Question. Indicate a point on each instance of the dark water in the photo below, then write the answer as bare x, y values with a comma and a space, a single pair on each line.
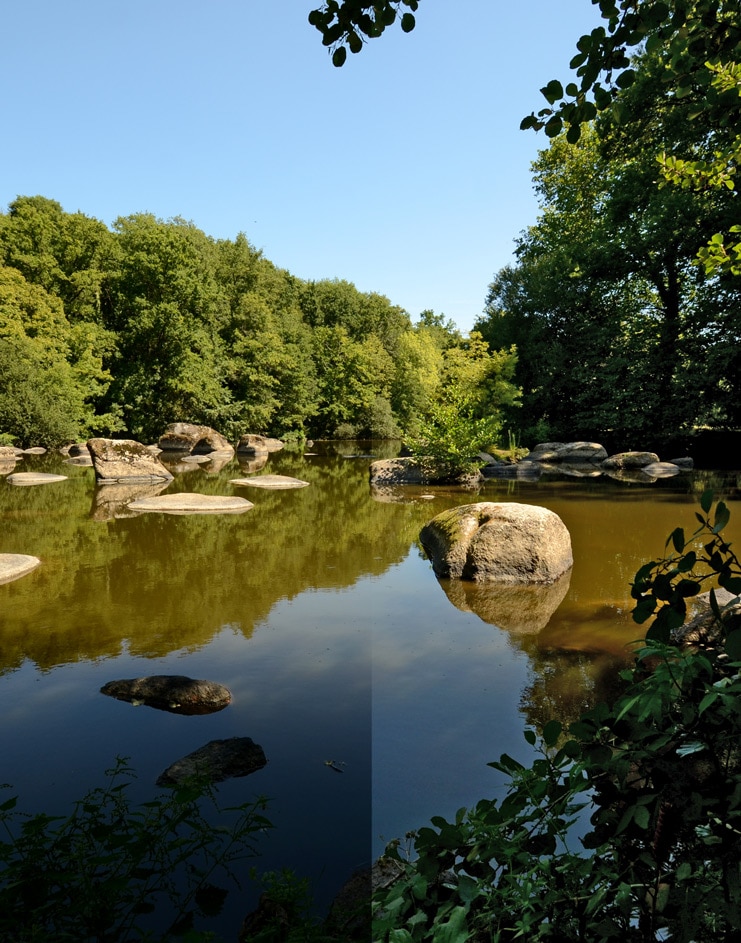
319, 611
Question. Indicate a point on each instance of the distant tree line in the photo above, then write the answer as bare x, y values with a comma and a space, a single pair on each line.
123, 330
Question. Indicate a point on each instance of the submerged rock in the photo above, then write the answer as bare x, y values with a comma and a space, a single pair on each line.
33, 478
175, 693
189, 503
15, 565
217, 761
271, 482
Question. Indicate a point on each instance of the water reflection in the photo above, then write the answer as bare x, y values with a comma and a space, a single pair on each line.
518, 609
297, 607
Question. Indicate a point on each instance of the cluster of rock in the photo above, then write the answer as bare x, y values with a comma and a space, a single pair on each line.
586, 459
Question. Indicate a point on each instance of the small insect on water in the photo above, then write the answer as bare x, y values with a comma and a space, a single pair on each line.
335, 765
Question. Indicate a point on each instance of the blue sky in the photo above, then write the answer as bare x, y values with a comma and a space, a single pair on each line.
404, 172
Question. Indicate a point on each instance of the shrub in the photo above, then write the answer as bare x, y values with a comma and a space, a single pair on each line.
110, 872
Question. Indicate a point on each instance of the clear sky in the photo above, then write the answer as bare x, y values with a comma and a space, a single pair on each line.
404, 172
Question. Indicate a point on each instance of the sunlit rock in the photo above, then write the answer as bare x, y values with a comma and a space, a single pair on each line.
250, 444
217, 761
189, 503
522, 609
630, 460
15, 565
35, 450
270, 482
34, 478
506, 543
125, 460
83, 461
189, 437
174, 693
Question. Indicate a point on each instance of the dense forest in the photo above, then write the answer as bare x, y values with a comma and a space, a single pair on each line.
619, 318
123, 330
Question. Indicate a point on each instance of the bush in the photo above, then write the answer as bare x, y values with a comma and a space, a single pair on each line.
111, 873
626, 827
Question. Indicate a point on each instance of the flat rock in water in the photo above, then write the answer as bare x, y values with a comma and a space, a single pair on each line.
15, 565
36, 450
272, 482
189, 503
125, 460
34, 478
174, 693
217, 761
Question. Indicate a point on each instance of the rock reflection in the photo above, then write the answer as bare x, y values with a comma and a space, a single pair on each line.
518, 609
110, 501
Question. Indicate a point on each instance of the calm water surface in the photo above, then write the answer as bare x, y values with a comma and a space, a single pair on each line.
319, 611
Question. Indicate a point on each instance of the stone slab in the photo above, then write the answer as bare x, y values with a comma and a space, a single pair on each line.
15, 565
190, 503
271, 482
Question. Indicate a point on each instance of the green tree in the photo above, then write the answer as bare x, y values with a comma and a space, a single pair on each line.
166, 308
52, 372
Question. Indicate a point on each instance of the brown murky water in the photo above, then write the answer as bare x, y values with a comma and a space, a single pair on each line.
319, 611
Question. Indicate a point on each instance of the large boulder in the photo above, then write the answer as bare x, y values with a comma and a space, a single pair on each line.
217, 761
574, 452
507, 543
175, 693
125, 460
189, 437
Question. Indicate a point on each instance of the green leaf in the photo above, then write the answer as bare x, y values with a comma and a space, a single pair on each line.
706, 501
339, 56
553, 126
677, 538
553, 91
733, 645
408, 22
530, 736
551, 732
722, 516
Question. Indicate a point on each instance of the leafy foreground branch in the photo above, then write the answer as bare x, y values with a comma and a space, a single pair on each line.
110, 873
625, 827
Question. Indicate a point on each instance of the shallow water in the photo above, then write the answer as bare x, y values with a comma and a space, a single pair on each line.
319, 611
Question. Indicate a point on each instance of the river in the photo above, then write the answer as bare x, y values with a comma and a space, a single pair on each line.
319, 611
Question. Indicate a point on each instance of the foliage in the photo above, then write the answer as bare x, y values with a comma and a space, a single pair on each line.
698, 44
451, 436
347, 24
113, 872
467, 412
625, 827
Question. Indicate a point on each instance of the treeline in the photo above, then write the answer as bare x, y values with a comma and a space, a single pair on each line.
619, 326
120, 331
